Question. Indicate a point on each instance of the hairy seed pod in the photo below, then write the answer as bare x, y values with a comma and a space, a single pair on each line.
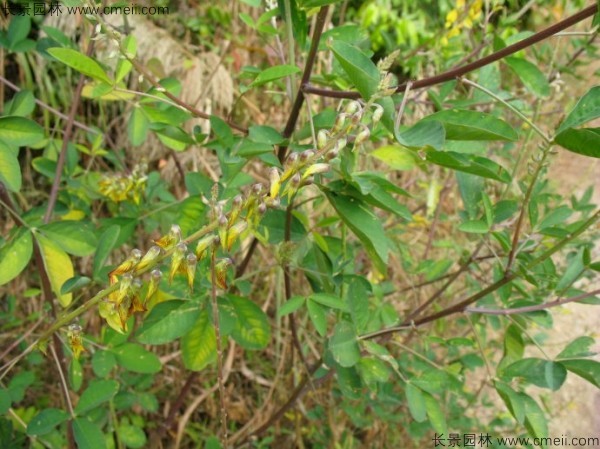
169, 240
190, 269
128, 264
177, 259
322, 138
203, 245
124, 288
234, 232
352, 107
221, 272
377, 114
155, 277
340, 120
275, 181
362, 136
149, 259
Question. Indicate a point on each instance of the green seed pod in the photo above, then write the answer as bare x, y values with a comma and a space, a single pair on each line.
377, 114
352, 107
322, 138
340, 120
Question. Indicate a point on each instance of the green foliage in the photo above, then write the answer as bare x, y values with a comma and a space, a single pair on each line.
376, 255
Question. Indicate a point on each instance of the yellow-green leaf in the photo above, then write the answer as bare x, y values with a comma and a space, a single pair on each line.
58, 265
199, 346
80, 62
14, 257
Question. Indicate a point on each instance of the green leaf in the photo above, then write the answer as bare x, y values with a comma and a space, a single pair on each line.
58, 266
103, 362
74, 284
199, 345
106, 243
555, 217
358, 66
580, 347
327, 300
432, 381
357, 298
137, 127
396, 157
174, 137
290, 306
586, 109
252, 330
467, 163
588, 369
80, 62
535, 420
343, 345
373, 371
540, 372
436, 415
416, 402
15, 255
88, 435
529, 74
134, 357
124, 66
98, 392
474, 227
75, 374
307, 4
364, 224
46, 421
22, 104
20, 131
265, 134
74, 237
10, 170
316, 313
131, 436
470, 125
513, 400
168, 321
273, 73
424, 133
585, 141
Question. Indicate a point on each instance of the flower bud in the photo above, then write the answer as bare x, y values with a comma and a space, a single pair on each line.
262, 208
128, 264
378, 113
306, 155
223, 224
172, 238
221, 272
352, 107
322, 137
234, 232
257, 188
124, 288
315, 169
339, 123
362, 136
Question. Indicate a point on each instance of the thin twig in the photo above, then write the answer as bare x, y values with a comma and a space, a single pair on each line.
215, 307
535, 308
460, 71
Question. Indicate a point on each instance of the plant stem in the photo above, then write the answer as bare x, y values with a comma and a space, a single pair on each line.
215, 310
460, 71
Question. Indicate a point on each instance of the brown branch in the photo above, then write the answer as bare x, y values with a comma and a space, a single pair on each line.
535, 308
310, 61
65, 140
461, 71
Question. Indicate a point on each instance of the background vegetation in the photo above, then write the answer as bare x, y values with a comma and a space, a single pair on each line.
304, 223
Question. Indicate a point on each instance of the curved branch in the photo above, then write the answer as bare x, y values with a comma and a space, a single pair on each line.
460, 71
